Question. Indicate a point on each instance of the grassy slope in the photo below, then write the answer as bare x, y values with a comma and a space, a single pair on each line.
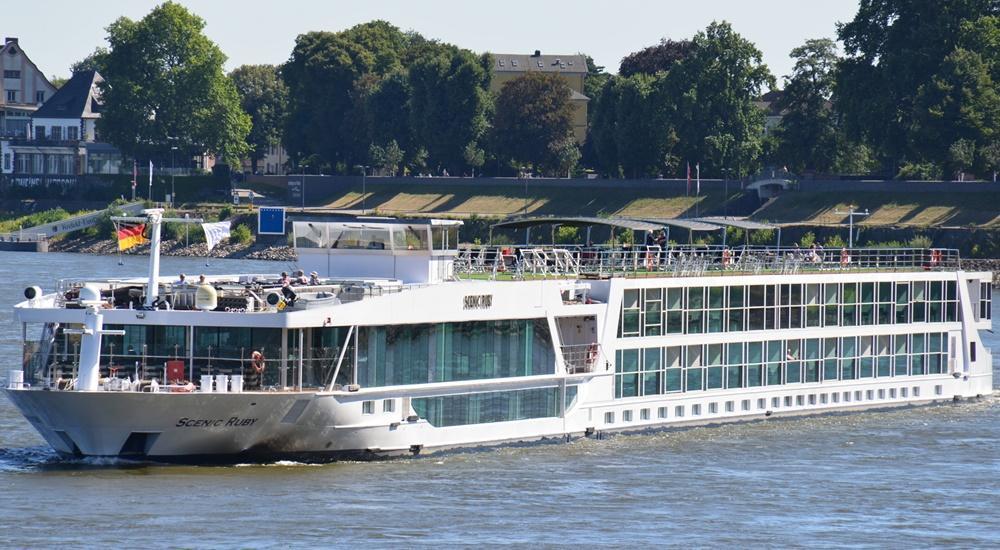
914, 210
503, 201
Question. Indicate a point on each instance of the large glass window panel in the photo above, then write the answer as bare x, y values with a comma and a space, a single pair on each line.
830, 369
673, 379
715, 323
716, 294
734, 376
755, 375
813, 316
848, 369
672, 357
812, 371
850, 293
736, 297
490, 407
867, 293
713, 378
675, 298
884, 365
694, 379
793, 372
696, 298
736, 320
755, 318
651, 383
773, 374
756, 295
696, 322
867, 367
628, 360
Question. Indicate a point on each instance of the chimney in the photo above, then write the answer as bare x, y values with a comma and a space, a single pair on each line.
10, 40
538, 53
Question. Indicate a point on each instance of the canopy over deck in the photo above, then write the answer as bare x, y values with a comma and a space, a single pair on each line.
744, 224
619, 223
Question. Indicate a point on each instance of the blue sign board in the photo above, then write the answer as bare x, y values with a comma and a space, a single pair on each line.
271, 220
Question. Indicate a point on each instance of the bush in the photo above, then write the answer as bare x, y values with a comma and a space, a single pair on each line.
808, 240
225, 212
834, 242
921, 241
241, 234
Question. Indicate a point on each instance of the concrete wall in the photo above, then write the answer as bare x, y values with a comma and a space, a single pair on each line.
893, 186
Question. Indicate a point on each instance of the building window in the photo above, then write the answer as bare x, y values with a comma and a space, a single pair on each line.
823, 398
800, 400
695, 410
881, 394
627, 416
12, 96
745, 405
713, 408
12, 74
892, 393
6, 161
775, 402
40, 97
788, 400
916, 391
661, 412
644, 414
730, 406
609, 417
39, 132
389, 405
55, 133
903, 392
368, 407
72, 133
679, 411
938, 389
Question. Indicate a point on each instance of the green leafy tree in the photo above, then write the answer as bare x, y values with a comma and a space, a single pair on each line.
450, 104
658, 58
602, 127
163, 80
474, 157
893, 49
344, 92
807, 134
596, 77
533, 118
95, 61
961, 154
991, 157
264, 97
715, 88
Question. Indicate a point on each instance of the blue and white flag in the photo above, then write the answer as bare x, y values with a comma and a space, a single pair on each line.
215, 232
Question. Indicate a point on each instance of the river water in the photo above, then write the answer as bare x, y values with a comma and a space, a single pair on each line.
918, 477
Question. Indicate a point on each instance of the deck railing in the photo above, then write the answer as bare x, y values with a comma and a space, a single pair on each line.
684, 261
581, 358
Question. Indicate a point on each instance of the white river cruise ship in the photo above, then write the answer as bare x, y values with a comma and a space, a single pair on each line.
405, 343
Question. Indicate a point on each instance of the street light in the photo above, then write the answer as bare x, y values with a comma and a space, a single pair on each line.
173, 173
850, 221
364, 187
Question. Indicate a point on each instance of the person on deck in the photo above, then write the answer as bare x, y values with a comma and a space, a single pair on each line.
286, 288
300, 278
254, 376
314, 279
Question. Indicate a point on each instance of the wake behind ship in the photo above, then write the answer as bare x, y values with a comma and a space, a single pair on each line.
403, 343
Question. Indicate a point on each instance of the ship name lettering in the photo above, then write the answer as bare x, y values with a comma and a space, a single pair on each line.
233, 421
479, 301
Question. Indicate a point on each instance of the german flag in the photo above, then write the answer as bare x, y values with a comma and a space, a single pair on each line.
131, 235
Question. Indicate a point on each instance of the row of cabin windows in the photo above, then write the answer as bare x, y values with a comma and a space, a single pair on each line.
762, 404
658, 370
698, 310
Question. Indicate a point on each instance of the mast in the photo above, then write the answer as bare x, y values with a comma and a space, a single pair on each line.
154, 219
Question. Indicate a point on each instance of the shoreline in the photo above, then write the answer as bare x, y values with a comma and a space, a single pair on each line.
228, 250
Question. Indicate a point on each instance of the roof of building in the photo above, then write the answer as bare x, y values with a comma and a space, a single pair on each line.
11, 43
577, 96
78, 98
516, 63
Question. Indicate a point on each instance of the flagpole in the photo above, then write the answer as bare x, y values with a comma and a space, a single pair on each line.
150, 196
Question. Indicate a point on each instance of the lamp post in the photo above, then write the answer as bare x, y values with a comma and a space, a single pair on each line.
850, 222
364, 187
173, 172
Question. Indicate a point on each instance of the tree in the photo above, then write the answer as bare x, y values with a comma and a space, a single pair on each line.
264, 97
807, 134
164, 85
654, 59
332, 80
474, 157
893, 49
449, 103
533, 118
715, 88
58, 81
602, 128
991, 157
95, 61
643, 130
596, 77
960, 105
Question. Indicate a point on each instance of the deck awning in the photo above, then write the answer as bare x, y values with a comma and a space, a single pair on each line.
739, 223
618, 223
686, 223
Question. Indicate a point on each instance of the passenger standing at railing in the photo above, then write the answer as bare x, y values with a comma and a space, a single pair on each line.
255, 373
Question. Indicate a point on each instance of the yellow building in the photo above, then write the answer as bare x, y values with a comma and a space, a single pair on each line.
571, 68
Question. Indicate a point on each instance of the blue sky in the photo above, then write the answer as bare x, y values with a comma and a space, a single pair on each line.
55, 33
